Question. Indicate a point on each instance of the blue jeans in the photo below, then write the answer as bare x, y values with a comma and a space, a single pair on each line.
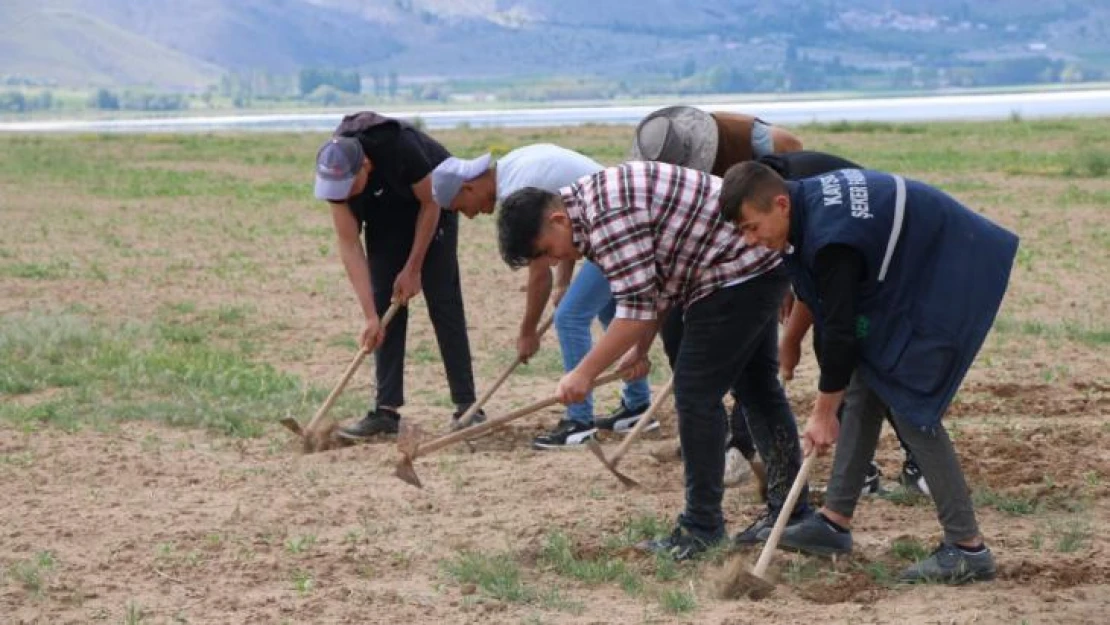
589, 297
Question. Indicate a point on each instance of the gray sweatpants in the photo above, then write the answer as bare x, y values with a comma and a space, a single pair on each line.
864, 413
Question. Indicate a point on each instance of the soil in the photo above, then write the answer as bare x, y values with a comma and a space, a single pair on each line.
154, 524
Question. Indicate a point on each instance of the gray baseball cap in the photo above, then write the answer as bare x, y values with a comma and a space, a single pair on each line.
337, 164
450, 175
679, 135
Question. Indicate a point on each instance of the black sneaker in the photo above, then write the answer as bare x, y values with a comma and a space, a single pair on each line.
568, 434
380, 421
950, 564
760, 529
680, 545
912, 478
872, 484
815, 536
475, 419
623, 419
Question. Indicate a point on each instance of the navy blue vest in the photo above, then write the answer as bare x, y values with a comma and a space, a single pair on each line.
935, 276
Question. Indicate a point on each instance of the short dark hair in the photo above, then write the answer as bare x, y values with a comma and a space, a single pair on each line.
750, 181
519, 224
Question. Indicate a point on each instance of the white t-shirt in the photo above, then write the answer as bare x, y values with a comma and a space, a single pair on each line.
542, 165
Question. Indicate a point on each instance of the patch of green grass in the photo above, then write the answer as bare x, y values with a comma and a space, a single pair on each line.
422, 353
300, 544
716, 553
51, 270
547, 363
965, 185
801, 570
678, 601
902, 496
181, 333
1013, 504
21, 459
869, 127
30, 573
1072, 535
558, 554
909, 549
640, 528
556, 600
107, 374
880, 573
665, 568
497, 576
1069, 331
134, 613
1075, 194
1088, 164
303, 582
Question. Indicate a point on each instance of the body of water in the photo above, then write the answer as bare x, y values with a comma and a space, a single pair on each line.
902, 109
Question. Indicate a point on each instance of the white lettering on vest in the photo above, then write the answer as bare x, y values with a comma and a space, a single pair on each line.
830, 188
857, 194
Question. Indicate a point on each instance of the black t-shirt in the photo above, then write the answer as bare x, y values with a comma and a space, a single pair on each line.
805, 164
399, 162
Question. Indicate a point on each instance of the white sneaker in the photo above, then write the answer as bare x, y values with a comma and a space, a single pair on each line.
737, 468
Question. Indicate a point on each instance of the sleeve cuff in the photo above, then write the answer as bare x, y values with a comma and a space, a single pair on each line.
637, 312
833, 382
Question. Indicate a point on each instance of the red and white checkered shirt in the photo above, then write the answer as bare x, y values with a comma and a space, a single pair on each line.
656, 233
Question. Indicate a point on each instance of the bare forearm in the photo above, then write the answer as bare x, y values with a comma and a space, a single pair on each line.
622, 335
644, 344
358, 272
827, 404
564, 271
799, 323
539, 289
426, 222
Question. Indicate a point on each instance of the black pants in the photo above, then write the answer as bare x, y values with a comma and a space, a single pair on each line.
389, 236
739, 436
730, 340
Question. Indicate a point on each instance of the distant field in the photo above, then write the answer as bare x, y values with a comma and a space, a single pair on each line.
165, 299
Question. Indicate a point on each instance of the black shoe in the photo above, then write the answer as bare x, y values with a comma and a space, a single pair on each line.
815, 536
761, 528
475, 419
872, 484
568, 434
912, 478
680, 545
623, 419
949, 564
380, 421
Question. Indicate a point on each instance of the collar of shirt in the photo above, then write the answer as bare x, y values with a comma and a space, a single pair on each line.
796, 194
579, 226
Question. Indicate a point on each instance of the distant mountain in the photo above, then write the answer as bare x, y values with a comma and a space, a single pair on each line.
189, 43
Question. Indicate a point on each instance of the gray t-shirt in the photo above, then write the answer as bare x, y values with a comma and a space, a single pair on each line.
542, 165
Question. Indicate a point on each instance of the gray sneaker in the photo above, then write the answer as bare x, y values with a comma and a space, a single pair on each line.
760, 529
951, 565
815, 536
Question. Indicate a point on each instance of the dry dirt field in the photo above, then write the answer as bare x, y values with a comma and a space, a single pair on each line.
164, 300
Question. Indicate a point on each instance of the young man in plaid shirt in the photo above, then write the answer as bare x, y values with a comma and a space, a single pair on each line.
656, 233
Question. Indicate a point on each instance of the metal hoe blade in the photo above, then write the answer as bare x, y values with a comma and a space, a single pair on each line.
292, 425
408, 441
595, 448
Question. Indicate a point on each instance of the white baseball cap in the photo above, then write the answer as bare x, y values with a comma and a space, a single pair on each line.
450, 175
